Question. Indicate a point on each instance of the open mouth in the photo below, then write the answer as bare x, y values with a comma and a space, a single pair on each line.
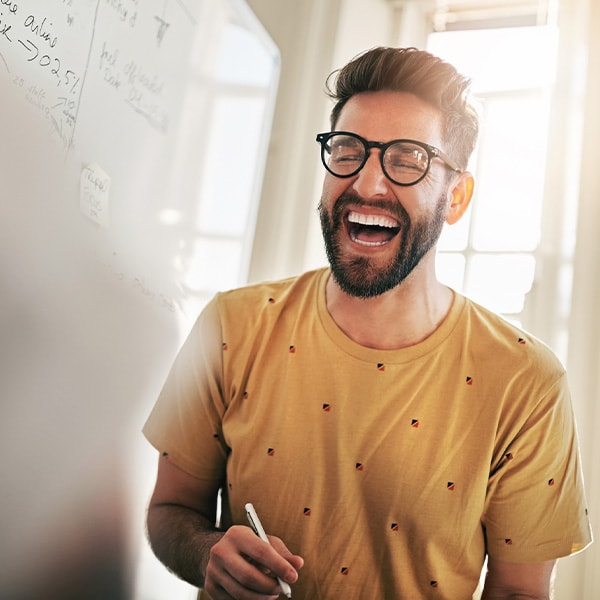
371, 230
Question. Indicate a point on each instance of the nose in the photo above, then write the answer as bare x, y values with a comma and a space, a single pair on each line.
371, 181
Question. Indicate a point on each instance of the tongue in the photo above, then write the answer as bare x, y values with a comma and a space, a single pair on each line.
373, 234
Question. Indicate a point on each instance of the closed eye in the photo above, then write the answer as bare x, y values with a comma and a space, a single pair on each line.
347, 158
405, 166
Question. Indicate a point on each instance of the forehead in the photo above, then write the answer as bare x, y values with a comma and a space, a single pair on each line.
386, 115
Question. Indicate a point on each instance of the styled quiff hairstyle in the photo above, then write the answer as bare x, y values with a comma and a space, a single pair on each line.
416, 72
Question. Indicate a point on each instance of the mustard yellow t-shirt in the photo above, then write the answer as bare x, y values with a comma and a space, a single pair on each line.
392, 473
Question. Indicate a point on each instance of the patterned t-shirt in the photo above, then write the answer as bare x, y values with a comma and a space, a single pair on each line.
392, 472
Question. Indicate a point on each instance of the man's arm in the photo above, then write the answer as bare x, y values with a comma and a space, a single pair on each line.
518, 581
181, 521
182, 533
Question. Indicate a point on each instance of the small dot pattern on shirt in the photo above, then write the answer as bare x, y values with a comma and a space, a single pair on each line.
416, 423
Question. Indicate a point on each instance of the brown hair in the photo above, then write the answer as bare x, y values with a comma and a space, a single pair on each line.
417, 72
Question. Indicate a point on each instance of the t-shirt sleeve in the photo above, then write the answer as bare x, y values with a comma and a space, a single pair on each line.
535, 508
185, 422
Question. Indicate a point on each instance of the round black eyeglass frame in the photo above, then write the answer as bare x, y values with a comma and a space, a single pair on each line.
431, 151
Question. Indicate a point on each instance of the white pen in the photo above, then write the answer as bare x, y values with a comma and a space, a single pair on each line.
260, 532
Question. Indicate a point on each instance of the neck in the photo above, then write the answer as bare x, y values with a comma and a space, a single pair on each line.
402, 317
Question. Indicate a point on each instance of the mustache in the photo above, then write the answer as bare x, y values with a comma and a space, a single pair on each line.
352, 200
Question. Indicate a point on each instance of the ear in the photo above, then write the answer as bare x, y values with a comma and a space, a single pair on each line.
460, 197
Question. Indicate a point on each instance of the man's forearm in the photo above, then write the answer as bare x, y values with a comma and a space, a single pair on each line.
518, 581
182, 538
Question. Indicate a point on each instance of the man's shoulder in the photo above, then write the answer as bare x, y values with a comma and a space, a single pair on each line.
495, 336
254, 298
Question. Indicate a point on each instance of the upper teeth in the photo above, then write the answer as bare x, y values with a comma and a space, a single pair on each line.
379, 220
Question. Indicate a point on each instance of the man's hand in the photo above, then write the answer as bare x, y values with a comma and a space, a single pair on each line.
233, 564
243, 567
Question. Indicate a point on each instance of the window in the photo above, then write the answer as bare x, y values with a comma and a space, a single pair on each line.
491, 255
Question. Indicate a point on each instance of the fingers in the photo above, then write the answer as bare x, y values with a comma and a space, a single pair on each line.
243, 567
296, 561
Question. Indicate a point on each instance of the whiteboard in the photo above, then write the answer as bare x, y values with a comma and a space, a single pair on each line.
113, 115
110, 80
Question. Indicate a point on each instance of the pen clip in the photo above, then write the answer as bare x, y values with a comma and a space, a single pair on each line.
252, 523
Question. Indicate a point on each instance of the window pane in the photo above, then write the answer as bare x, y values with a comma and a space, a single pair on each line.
509, 194
501, 59
500, 282
455, 237
451, 270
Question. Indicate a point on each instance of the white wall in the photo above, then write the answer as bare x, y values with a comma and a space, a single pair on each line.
305, 34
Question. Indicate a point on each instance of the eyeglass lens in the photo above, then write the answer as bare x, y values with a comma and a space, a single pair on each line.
403, 162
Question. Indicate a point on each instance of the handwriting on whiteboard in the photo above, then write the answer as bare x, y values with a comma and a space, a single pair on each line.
140, 88
32, 47
94, 192
59, 52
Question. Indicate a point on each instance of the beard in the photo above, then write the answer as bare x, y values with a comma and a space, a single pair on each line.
361, 276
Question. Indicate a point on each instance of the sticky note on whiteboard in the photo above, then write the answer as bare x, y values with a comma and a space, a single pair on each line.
94, 194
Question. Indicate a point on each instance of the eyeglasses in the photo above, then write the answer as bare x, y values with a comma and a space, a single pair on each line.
404, 162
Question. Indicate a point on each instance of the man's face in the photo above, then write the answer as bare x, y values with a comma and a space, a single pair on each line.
376, 232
